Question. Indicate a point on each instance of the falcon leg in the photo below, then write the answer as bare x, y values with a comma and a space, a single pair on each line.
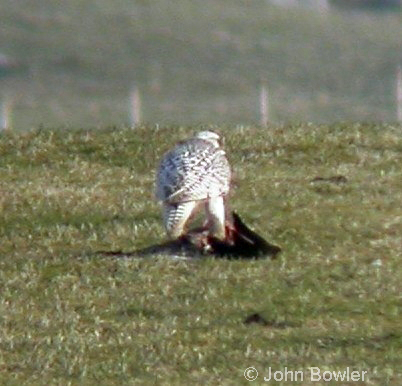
175, 217
215, 208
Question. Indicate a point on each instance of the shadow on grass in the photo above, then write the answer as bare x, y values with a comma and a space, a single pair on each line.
240, 243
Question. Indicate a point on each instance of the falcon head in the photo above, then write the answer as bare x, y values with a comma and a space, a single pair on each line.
209, 136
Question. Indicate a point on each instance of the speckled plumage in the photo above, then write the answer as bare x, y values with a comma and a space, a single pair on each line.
194, 172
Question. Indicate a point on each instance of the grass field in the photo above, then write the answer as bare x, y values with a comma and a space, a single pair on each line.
198, 61
328, 195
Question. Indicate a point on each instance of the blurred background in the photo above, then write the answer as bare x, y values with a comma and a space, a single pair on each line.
103, 63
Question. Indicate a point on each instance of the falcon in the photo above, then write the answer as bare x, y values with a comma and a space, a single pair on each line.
194, 174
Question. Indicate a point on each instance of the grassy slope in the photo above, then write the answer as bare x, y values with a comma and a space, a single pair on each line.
193, 60
68, 314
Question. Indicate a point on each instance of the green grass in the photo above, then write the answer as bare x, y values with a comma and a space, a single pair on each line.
69, 315
195, 61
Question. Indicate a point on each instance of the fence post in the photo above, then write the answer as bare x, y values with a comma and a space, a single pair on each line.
264, 105
399, 93
5, 114
135, 107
